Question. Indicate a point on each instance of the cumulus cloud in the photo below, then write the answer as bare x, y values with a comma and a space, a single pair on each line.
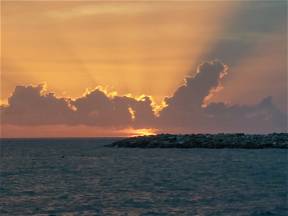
96, 108
188, 98
263, 117
33, 105
187, 110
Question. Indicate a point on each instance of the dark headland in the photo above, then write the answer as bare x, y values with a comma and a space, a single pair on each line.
237, 140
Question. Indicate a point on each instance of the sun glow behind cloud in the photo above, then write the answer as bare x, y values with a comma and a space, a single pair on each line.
129, 46
142, 132
127, 116
127, 57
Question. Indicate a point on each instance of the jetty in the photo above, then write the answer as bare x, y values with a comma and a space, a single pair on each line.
236, 140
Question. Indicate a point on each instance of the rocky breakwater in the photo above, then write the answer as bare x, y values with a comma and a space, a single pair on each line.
238, 140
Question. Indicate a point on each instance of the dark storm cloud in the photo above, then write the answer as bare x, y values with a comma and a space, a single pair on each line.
185, 110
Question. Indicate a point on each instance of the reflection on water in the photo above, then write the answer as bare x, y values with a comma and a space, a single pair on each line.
80, 177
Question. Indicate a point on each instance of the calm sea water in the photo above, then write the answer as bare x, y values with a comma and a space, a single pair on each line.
81, 177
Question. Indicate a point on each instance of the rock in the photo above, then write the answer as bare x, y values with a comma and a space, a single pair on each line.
237, 140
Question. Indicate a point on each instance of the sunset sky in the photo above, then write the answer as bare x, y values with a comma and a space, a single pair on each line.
118, 68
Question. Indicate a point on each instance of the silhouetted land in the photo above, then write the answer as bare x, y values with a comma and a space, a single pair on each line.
237, 140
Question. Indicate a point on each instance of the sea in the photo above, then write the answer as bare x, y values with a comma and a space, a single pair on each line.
83, 177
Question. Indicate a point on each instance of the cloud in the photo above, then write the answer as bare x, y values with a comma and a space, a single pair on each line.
96, 108
33, 105
185, 110
188, 110
263, 117
188, 98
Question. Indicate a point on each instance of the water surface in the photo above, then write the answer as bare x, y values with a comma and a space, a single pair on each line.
81, 177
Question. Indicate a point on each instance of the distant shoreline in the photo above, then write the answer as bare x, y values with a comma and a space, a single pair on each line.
215, 141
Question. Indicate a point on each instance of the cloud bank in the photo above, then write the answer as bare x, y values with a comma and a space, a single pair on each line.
33, 105
188, 110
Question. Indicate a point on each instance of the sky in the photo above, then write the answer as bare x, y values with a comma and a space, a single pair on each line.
124, 68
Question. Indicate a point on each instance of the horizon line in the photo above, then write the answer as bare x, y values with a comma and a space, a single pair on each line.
110, 137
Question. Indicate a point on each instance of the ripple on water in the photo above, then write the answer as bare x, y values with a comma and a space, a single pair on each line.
93, 180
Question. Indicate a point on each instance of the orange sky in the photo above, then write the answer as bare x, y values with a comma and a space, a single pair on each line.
128, 47
141, 48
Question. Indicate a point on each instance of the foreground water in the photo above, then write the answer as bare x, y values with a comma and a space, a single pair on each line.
81, 177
